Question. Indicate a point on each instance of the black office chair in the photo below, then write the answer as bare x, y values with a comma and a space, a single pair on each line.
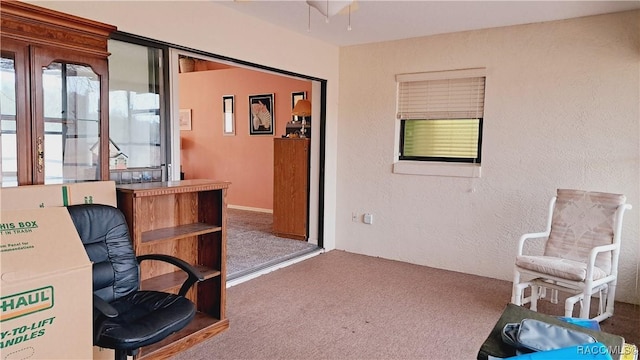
126, 318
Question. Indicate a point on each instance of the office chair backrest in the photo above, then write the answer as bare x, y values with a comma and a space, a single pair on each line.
582, 220
104, 233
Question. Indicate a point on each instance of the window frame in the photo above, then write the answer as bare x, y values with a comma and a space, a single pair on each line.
436, 166
476, 160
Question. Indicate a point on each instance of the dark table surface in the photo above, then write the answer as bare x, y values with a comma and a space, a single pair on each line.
514, 314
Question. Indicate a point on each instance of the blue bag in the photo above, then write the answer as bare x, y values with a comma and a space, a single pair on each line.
535, 335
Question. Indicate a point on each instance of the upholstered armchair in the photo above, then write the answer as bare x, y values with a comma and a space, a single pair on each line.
581, 251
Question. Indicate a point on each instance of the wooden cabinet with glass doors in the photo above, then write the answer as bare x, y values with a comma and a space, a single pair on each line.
54, 96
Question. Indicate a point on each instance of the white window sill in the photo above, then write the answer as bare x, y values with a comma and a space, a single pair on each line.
437, 169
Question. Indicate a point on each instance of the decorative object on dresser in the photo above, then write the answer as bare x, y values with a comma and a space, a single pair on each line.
302, 109
291, 187
295, 96
186, 219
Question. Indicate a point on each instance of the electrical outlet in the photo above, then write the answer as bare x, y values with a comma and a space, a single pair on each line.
354, 217
368, 219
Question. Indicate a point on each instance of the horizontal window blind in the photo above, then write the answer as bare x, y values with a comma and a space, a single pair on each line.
441, 99
446, 138
441, 114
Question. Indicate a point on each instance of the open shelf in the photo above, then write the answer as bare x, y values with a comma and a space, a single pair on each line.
179, 232
175, 279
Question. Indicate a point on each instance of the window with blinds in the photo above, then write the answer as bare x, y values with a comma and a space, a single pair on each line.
441, 115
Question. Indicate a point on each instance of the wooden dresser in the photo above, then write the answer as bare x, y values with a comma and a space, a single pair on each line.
291, 187
186, 219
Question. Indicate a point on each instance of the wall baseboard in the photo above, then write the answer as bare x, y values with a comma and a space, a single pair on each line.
270, 211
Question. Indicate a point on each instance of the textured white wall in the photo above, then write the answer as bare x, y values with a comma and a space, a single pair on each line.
561, 111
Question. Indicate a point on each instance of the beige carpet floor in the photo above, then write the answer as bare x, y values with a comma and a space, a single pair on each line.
340, 305
251, 244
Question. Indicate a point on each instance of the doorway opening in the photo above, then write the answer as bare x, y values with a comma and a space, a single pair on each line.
220, 112
219, 141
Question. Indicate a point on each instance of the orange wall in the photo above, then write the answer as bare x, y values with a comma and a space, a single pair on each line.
246, 161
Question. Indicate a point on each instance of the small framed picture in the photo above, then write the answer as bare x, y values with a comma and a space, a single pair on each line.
185, 119
228, 117
261, 114
295, 96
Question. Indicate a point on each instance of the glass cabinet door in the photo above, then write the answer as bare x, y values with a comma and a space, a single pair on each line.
68, 119
71, 105
15, 142
8, 121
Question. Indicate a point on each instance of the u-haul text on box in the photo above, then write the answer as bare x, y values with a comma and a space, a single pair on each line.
46, 287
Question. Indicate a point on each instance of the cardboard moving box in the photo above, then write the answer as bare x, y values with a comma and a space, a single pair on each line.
58, 195
40, 196
45, 287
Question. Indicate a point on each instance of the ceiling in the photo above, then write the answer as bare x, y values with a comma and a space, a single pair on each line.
375, 21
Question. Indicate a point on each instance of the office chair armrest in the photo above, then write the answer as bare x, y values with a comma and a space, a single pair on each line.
101, 307
194, 274
525, 237
104, 307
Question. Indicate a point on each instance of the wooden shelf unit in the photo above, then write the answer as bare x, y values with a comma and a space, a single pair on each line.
186, 219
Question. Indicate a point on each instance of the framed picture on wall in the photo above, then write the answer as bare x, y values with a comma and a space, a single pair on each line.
261, 114
295, 96
228, 117
185, 119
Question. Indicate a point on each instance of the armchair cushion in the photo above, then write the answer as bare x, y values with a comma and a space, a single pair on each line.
559, 267
581, 221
